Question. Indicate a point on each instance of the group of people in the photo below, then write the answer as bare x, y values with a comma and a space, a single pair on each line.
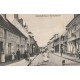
17, 56
26, 56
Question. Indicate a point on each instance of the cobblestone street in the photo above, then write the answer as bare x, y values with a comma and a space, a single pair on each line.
54, 60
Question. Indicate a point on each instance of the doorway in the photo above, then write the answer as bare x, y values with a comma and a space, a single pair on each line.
9, 48
1, 46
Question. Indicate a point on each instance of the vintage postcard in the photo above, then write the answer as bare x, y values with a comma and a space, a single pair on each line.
39, 39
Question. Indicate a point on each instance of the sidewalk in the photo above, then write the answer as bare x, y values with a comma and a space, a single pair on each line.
75, 59
21, 62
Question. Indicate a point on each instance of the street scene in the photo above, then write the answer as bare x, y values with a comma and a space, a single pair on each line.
39, 39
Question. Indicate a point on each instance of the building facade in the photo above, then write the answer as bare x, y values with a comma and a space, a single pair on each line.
65, 39
54, 44
58, 43
73, 29
33, 47
11, 39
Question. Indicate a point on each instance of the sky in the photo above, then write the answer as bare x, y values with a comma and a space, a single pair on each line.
44, 26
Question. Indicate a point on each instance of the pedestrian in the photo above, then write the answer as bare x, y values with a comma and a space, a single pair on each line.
18, 54
25, 55
61, 51
45, 57
13, 56
79, 54
48, 53
28, 56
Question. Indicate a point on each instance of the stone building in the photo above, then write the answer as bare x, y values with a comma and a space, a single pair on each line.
65, 39
53, 45
63, 42
73, 29
56, 43
33, 47
12, 38
18, 23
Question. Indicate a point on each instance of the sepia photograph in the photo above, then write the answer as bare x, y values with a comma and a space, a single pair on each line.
39, 39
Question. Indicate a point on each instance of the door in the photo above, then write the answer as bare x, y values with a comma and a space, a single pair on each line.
1, 46
9, 48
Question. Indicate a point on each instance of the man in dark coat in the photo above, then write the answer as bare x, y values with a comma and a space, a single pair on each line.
61, 51
18, 54
25, 55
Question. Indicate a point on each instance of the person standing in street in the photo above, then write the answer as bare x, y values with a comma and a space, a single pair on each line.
13, 56
79, 54
61, 51
18, 54
45, 57
48, 53
25, 55
28, 56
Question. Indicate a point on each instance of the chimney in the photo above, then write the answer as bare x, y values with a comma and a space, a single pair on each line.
21, 21
16, 16
26, 27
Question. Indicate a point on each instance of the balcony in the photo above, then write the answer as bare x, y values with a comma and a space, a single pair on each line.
74, 36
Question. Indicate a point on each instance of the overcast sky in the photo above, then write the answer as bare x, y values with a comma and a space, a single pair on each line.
44, 27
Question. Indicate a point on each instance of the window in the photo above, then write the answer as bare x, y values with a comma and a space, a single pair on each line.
9, 48
78, 27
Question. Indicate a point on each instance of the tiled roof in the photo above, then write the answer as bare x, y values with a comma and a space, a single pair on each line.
20, 28
8, 26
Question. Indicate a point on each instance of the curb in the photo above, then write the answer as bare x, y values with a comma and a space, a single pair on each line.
68, 58
32, 61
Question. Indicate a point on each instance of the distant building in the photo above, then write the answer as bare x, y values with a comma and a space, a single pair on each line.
53, 44
58, 42
65, 42
32, 45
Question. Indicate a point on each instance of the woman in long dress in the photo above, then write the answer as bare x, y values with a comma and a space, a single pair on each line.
45, 57
13, 56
